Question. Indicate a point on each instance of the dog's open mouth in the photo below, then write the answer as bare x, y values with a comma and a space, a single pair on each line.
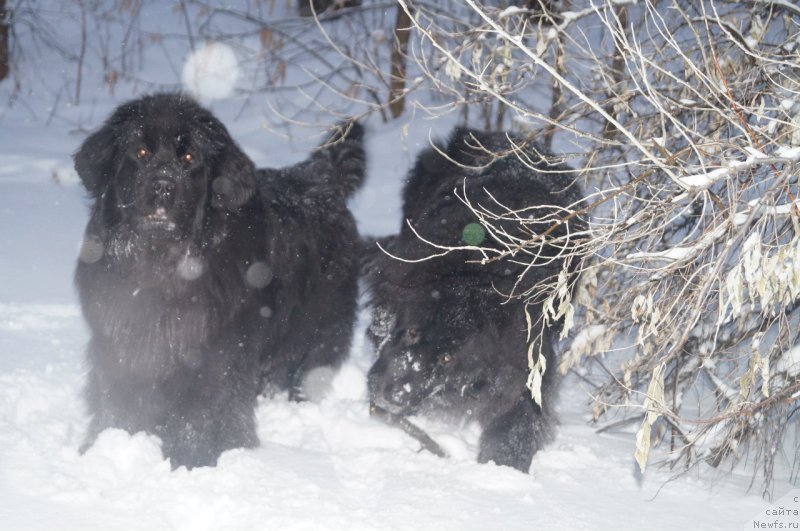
409, 406
158, 220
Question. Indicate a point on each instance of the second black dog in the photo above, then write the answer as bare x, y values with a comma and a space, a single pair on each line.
448, 344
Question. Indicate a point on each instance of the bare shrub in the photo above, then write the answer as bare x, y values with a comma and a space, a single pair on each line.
684, 119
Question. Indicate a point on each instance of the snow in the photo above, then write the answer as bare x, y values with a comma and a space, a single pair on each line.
322, 464
702, 181
511, 10
786, 152
211, 72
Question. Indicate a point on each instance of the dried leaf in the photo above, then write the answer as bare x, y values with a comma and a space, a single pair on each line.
452, 70
652, 407
642, 445
735, 289
529, 323
765, 377
536, 376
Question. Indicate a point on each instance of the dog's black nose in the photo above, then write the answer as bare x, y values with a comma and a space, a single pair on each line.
396, 394
163, 189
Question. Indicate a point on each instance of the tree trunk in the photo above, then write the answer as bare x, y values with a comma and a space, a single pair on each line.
402, 30
5, 60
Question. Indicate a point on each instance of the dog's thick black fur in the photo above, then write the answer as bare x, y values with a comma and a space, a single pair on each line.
205, 281
447, 343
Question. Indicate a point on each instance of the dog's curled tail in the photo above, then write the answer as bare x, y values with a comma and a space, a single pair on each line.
344, 155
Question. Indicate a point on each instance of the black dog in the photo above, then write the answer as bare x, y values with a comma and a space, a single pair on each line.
448, 344
204, 280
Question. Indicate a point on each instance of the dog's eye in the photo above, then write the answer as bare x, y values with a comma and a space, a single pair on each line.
187, 158
142, 153
446, 358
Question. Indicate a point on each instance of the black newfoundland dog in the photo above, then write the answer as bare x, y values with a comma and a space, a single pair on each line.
448, 344
205, 281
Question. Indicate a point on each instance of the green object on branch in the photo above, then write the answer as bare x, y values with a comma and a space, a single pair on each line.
473, 234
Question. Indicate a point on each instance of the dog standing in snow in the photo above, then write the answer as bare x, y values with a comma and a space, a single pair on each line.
448, 344
205, 281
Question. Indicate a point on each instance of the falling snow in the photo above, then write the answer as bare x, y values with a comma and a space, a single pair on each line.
322, 463
190, 268
211, 72
258, 275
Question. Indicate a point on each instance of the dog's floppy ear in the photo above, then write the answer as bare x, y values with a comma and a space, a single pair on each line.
96, 158
234, 179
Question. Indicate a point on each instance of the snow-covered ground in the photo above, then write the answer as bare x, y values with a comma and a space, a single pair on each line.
321, 465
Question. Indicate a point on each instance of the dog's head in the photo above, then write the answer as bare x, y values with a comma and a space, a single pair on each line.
440, 341
423, 364
159, 161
